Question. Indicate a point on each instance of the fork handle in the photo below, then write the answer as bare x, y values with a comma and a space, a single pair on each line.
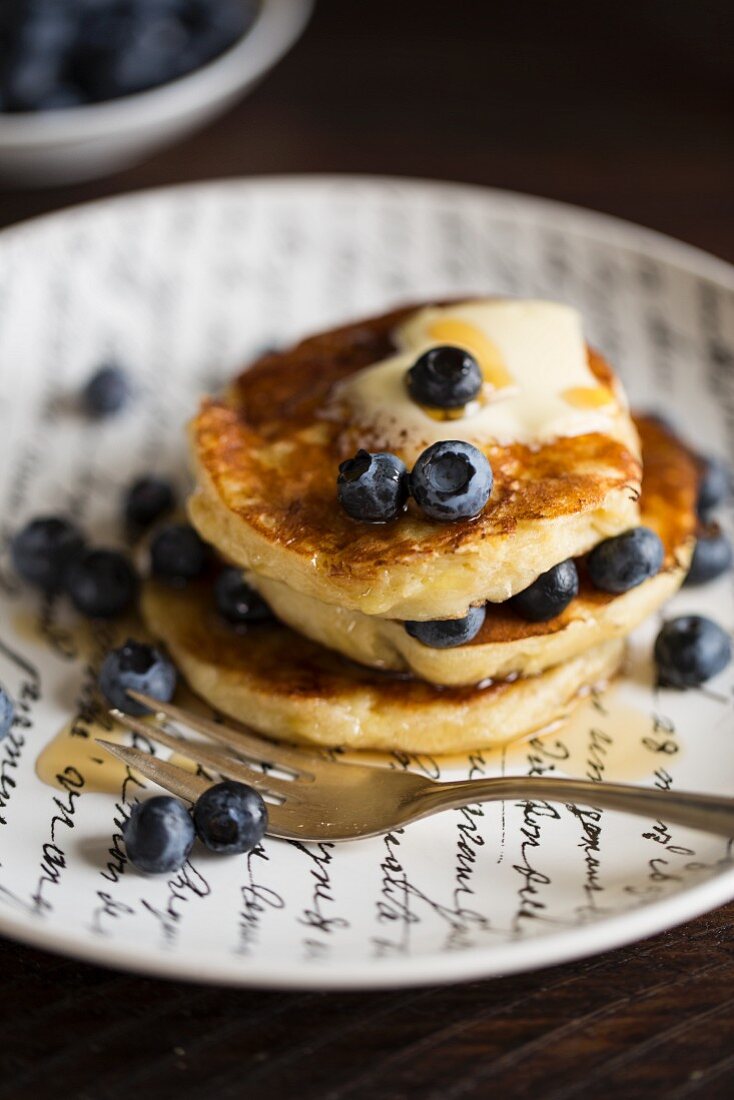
711, 813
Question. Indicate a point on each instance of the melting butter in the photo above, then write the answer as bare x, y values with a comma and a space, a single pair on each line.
538, 383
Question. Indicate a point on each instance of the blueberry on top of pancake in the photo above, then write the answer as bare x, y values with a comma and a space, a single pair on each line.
551, 420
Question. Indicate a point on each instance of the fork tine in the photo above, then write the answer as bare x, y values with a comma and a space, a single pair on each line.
247, 742
208, 756
188, 786
176, 780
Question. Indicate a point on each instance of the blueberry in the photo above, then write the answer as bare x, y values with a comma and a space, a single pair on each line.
230, 17
178, 554
712, 556
102, 33
445, 378
159, 835
54, 51
373, 487
690, 650
138, 666
236, 601
106, 392
43, 550
446, 633
714, 486
623, 562
61, 98
151, 55
230, 818
30, 79
451, 480
45, 25
7, 713
549, 594
216, 26
146, 500
34, 38
101, 583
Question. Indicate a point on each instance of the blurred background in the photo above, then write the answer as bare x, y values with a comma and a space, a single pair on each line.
626, 108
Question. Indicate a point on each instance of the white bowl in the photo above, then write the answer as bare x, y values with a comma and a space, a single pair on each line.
77, 143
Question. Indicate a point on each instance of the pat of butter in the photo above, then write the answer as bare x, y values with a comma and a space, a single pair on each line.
537, 382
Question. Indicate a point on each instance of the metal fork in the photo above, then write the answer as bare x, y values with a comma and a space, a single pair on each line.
320, 799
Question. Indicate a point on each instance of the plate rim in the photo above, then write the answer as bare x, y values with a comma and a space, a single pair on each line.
616, 229
474, 963
444, 968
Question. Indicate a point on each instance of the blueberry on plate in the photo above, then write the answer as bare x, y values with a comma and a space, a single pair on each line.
107, 391
7, 713
101, 583
690, 650
136, 666
43, 550
178, 554
623, 562
159, 835
447, 633
445, 377
237, 601
146, 500
230, 818
373, 487
451, 480
549, 594
712, 556
714, 486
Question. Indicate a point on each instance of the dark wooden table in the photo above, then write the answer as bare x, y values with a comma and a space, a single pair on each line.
626, 108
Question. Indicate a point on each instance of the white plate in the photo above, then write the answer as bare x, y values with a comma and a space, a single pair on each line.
183, 284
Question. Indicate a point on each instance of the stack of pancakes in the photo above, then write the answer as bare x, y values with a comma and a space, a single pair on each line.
337, 666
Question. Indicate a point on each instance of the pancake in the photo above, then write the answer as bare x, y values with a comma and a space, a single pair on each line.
286, 686
507, 644
266, 458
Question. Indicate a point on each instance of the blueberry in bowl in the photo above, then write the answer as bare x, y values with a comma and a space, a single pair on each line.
85, 51
90, 86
